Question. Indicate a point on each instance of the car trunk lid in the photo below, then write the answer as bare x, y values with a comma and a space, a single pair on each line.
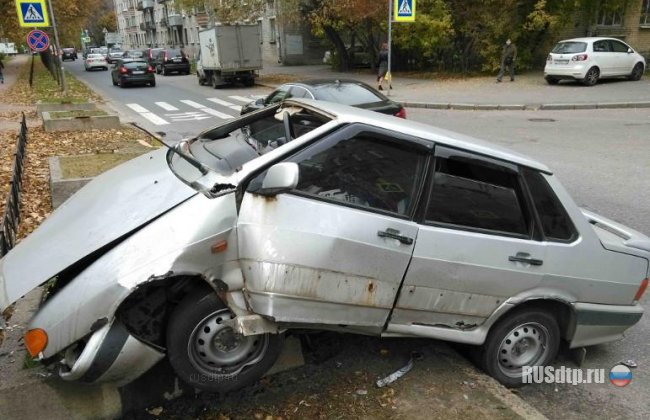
617, 237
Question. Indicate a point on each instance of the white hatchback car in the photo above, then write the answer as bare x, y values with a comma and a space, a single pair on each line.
590, 59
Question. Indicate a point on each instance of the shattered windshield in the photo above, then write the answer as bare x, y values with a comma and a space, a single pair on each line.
226, 148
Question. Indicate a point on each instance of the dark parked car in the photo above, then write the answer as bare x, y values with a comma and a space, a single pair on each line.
127, 72
69, 54
342, 91
171, 60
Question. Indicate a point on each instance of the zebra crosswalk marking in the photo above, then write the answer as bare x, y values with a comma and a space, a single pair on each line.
241, 99
147, 114
225, 103
166, 106
206, 109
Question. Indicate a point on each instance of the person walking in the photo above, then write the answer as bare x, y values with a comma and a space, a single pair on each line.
508, 57
383, 65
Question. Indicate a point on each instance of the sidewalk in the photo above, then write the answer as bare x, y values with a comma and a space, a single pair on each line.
528, 92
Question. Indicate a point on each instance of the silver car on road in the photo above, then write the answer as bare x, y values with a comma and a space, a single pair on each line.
313, 215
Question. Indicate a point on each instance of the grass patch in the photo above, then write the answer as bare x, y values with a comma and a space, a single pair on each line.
46, 89
77, 113
89, 166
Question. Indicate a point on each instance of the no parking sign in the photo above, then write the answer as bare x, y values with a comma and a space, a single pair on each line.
38, 40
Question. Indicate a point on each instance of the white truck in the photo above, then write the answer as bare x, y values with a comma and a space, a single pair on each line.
229, 54
8, 48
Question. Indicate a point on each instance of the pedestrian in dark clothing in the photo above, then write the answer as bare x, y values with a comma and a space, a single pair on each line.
382, 65
508, 57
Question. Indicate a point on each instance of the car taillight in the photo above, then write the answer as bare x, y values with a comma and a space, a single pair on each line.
549, 58
151, 69
401, 113
642, 289
123, 70
580, 57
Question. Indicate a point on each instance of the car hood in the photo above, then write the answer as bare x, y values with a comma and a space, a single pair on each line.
107, 208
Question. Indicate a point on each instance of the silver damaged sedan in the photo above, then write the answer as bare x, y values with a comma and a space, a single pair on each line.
314, 215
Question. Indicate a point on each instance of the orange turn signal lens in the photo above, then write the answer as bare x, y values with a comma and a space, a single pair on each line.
642, 289
35, 341
219, 247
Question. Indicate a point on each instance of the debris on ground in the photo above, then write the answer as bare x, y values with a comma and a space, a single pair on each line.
396, 375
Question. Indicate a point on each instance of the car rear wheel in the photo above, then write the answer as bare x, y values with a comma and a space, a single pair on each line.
164, 71
209, 355
591, 78
153, 84
637, 72
114, 82
530, 337
552, 81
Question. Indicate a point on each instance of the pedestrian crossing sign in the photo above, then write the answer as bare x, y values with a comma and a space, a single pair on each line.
404, 10
32, 13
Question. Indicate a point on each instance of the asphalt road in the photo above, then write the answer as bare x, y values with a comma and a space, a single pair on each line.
177, 106
601, 156
603, 159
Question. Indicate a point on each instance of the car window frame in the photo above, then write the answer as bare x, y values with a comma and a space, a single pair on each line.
296, 87
538, 219
348, 131
528, 210
605, 42
613, 42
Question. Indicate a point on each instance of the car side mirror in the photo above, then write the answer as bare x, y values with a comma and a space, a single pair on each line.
630, 51
259, 102
279, 178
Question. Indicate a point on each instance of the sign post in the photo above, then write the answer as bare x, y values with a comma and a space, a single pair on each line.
399, 11
64, 86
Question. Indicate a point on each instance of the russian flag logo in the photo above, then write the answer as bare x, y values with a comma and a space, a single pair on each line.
620, 375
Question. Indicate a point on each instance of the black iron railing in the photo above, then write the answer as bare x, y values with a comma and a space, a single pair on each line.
11, 217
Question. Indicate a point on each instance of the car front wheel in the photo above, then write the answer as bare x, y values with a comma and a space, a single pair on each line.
209, 355
552, 81
637, 72
530, 337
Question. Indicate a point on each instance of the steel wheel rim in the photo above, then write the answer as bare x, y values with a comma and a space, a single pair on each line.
524, 345
215, 349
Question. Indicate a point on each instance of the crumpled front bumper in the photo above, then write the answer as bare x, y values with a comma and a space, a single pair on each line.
111, 354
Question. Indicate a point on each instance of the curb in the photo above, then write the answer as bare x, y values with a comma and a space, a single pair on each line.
523, 107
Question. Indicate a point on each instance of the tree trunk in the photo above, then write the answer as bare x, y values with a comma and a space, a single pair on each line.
333, 36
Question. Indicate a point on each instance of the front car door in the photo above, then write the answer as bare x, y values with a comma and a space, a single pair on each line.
623, 60
476, 246
335, 249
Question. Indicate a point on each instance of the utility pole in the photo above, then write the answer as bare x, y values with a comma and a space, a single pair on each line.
64, 87
389, 77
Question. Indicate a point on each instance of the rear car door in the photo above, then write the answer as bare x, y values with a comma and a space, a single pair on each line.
603, 57
335, 249
475, 246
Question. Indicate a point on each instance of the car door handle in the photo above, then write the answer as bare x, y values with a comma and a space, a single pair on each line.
525, 260
394, 234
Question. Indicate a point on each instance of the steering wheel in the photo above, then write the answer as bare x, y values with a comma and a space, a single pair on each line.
288, 127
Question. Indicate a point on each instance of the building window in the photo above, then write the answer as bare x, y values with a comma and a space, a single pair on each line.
645, 13
272, 30
610, 17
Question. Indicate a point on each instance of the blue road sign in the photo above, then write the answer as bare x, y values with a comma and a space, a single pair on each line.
38, 40
32, 13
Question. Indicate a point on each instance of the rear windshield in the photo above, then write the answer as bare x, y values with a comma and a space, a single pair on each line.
174, 53
570, 47
136, 64
134, 54
346, 93
95, 56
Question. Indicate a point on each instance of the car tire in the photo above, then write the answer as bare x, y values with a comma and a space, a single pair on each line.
114, 82
209, 356
528, 337
164, 71
637, 72
153, 84
249, 82
552, 81
591, 78
157, 70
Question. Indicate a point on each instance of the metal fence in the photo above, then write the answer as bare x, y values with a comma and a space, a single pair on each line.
11, 216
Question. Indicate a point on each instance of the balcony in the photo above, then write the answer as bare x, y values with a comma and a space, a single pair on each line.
147, 26
145, 4
174, 20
